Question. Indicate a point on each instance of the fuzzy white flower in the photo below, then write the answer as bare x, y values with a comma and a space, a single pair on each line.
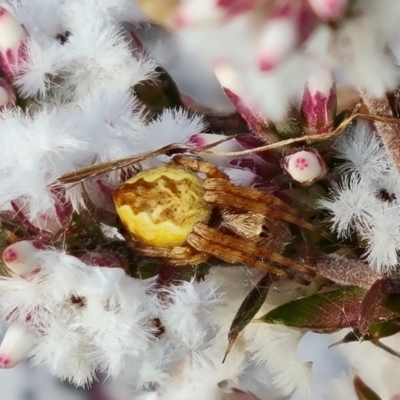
87, 319
95, 53
366, 200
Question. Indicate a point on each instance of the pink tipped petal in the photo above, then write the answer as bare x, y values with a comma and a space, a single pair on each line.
136, 46
12, 37
305, 166
288, 26
231, 87
318, 106
11, 31
227, 77
17, 344
20, 257
329, 9
279, 36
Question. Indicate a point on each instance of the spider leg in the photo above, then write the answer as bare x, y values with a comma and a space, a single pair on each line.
178, 256
200, 165
225, 194
236, 250
248, 193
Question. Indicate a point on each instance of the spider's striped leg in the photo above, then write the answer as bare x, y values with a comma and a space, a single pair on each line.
236, 250
225, 194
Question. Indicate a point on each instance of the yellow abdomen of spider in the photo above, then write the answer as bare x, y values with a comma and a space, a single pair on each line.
159, 207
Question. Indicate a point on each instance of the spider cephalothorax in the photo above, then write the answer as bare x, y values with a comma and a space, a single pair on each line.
170, 212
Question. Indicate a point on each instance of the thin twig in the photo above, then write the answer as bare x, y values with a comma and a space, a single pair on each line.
307, 139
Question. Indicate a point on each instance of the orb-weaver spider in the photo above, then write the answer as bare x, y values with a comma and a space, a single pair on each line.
172, 213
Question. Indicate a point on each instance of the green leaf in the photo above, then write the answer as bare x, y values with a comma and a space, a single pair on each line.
328, 312
363, 391
375, 332
392, 302
248, 309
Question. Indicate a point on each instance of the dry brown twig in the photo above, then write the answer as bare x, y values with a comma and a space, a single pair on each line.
383, 119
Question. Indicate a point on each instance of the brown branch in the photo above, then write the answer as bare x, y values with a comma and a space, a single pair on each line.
346, 272
389, 133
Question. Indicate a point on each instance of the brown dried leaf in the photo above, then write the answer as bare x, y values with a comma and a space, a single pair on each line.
375, 297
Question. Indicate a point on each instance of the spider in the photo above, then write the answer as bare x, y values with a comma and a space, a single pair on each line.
172, 213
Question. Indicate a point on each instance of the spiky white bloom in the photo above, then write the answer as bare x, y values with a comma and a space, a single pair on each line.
274, 71
85, 318
367, 199
79, 319
80, 106
95, 53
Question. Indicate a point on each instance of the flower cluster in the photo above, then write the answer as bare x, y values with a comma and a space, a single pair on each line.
365, 201
78, 320
85, 298
69, 101
277, 46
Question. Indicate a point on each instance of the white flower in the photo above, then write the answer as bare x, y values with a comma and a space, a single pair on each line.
366, 200
85, 319
94, 56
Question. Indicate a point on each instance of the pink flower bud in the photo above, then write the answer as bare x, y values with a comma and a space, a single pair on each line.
318, 106
329, 9
231, 87
17, 344
7, 95
128, 33
305, 166
12, 43
20, 257
288, 26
